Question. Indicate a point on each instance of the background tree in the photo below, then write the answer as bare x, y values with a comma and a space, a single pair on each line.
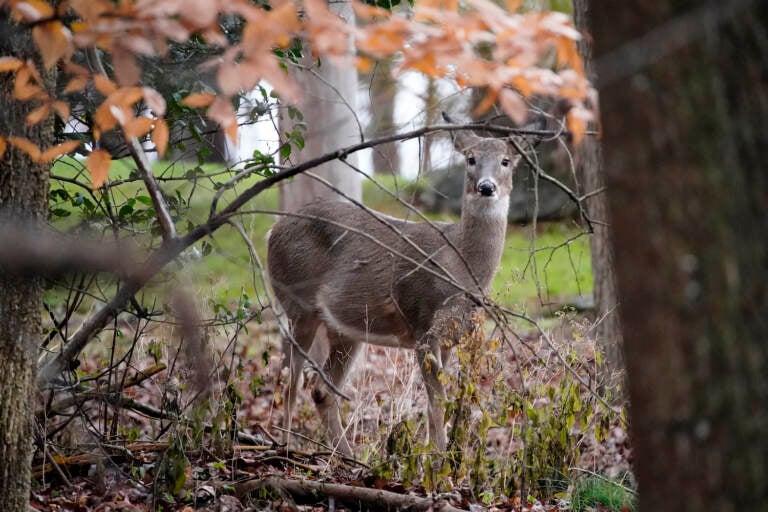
23, 201
382, 89
589, 167
327, 120
684, 101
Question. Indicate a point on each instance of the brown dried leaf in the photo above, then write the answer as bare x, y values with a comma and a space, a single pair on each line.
576, 126
222, 112
138, 127
10, 64
54, 41
104, 85
26, 146
514, 106
58, 150
126, 96
127, 71
61, 108
38, 114
3, 145
24, 87
98, 163
154, 100
160, 136
32, 10
77, 84
198, 100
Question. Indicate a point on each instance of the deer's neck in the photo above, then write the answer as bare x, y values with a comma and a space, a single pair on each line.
481, 237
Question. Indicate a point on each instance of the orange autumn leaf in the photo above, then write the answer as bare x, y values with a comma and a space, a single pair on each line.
24, 86
137, 127
154, 100
3, 145
98, 163
61, 108
54, 41
488, 101
10, 64
126, 68
104, 85
32, 10
576, 126
222, 112
77, 84
38, 114
514, 106
59, 150
160, 136
198, 100
27, 146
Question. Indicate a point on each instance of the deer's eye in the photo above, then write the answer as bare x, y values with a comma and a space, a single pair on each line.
471, 160
505, 162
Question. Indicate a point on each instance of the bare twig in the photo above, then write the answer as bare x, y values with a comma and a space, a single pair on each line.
167, 227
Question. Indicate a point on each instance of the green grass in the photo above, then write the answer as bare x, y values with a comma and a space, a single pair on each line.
590, 492
535, 270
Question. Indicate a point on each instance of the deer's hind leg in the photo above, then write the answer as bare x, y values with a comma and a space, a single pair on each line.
303, 329
342, 355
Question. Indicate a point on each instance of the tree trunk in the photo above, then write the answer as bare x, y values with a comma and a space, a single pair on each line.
329, 109
684, 100
23, 199
589, 168
382, 90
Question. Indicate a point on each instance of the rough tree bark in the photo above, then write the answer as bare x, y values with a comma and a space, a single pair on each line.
23, 198
329, 108
684, 99
382, 89
589, 168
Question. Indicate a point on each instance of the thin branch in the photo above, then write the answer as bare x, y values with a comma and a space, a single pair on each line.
167, 227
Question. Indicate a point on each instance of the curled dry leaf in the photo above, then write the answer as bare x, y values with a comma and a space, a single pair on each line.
513, 105
160, 136
31, 10
98, 163
104, 85
576, 126
154, 100
25, 87
38, 114
27, 146
222, 112
126, 69
10, 64
137, 127
77, 84
54, 41
198, 100
61, 108
59, 150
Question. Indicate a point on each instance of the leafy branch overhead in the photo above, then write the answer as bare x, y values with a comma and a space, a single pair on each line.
474, 42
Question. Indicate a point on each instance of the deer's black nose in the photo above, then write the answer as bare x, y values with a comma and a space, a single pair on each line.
486, 188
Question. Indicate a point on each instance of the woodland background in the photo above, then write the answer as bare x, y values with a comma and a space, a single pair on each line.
139, 367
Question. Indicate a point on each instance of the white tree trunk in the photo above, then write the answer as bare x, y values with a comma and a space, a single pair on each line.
329, 108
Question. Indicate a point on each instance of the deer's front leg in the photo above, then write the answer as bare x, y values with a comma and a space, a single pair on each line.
429, 356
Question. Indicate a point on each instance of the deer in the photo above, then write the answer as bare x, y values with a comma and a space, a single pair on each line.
370, 278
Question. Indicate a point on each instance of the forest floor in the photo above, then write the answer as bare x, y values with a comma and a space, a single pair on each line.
167, 441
